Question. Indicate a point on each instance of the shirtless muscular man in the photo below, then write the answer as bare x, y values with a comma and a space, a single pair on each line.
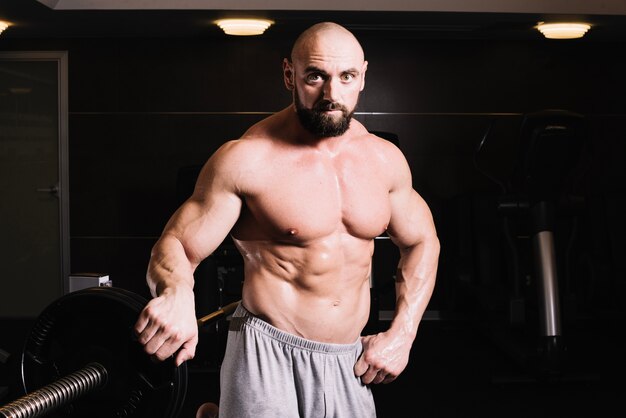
303, 194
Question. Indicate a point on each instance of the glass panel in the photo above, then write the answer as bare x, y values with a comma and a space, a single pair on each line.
30, 244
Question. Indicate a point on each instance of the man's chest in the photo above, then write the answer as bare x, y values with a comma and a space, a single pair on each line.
315, 199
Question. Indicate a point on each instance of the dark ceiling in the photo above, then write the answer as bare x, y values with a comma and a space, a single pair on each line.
31, 19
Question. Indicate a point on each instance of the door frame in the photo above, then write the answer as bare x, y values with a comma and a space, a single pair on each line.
61, 58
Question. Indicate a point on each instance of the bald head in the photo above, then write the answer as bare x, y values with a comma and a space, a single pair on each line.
329, 37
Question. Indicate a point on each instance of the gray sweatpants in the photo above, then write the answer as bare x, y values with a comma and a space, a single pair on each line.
268, 373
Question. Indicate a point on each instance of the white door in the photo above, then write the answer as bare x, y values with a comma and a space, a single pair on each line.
34, 228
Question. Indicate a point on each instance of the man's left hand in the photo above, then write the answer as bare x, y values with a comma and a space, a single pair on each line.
384, 357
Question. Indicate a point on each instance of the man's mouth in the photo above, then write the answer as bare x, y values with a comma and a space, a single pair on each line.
330, 107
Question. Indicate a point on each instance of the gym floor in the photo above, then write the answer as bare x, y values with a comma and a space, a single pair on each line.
458, 368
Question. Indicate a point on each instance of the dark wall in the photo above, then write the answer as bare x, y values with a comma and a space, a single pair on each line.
142, 109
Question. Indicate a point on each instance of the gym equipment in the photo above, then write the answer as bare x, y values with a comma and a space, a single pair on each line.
220, 313
537, 195
551, 145
82, 359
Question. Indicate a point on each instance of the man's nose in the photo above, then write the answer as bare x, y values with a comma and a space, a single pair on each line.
331, 90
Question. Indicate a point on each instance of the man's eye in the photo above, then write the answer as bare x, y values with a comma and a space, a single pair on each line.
313, 77
347, 77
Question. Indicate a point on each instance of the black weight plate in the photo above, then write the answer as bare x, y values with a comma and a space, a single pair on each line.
96, 325
178, 396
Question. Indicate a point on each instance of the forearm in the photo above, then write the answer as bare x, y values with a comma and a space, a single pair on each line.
167, 325
169, 266
386, 354
415, 282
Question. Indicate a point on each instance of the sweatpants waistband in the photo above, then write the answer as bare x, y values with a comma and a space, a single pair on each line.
242, 317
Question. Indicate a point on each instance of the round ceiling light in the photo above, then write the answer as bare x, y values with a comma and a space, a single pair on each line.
3, 25
563, 30
244, 27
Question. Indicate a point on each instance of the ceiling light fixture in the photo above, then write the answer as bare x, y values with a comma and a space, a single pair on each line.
563, 30
3, 25
244, 27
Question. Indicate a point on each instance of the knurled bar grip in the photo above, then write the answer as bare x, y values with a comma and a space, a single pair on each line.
57, 393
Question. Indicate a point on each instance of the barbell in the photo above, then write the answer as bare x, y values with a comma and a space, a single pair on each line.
82, 359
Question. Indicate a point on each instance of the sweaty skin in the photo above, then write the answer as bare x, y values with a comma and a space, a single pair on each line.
303, 211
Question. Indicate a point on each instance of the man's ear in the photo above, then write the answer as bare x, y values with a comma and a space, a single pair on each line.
288, 74
364, 69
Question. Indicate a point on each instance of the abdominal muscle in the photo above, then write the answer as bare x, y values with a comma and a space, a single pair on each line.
317, 290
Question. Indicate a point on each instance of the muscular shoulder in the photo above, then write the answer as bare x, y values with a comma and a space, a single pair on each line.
231, 164
386, 150
239, 153
389, 160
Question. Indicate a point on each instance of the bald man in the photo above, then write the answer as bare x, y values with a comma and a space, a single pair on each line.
303, 194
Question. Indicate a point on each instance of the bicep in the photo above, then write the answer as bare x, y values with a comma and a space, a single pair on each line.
202, 225
205, 219
411, 220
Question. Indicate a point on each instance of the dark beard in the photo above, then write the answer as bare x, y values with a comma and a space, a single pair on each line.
322, 126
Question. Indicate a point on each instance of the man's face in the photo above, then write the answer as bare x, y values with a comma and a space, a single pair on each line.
326, 81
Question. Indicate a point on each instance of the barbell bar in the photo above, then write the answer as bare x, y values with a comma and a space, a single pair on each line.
58, 393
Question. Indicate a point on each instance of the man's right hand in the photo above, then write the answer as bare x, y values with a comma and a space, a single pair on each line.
167, 324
